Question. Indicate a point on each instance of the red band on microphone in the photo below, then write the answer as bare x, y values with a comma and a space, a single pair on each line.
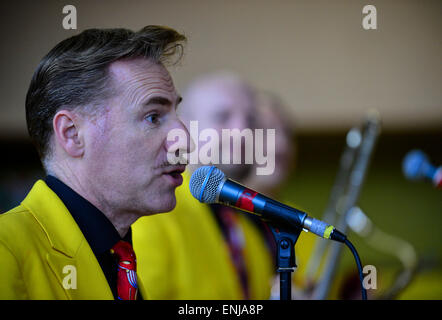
245, 200
437, 180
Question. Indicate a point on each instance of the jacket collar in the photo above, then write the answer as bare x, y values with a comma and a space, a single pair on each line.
99, 232
54, 218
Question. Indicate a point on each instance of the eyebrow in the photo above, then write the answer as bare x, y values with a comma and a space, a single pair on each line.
163, 101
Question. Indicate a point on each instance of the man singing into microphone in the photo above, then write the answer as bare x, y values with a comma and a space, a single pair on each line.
98, 109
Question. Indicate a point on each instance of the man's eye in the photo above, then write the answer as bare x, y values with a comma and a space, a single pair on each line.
153, 118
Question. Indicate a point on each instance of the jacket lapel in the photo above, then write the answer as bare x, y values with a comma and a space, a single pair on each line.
71, 259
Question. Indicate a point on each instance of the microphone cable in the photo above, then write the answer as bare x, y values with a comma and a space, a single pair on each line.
340, 237
359, 264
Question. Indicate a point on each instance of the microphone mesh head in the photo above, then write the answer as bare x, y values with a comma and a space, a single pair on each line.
197, 180
414, 165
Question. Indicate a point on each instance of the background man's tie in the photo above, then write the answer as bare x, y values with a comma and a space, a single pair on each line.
127, 270
235, 240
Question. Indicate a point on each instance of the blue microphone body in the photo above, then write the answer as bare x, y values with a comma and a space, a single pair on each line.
235, 195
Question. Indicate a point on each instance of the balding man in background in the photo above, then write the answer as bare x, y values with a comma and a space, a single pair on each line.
272, 113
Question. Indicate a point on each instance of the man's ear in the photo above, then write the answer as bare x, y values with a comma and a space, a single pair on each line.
67, 134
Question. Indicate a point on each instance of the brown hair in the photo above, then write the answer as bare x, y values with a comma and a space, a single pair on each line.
75, 72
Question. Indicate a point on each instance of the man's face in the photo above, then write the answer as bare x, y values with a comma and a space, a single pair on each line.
220, 105
126, 146
284, 148
225, 106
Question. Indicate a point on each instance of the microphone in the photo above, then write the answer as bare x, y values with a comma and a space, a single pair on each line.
416, 166
209, 185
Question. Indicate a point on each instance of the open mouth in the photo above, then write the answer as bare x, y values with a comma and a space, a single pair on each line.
173, 174
178, 169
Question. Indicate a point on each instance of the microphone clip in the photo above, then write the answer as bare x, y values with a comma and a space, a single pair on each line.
285, 258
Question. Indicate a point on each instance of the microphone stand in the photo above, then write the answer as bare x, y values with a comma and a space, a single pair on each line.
285, 258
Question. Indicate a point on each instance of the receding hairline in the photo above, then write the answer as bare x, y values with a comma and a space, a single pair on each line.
217, 81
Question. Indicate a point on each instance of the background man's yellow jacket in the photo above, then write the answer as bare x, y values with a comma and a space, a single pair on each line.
38, 239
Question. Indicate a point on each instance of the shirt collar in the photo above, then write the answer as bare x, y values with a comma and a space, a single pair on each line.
99, 232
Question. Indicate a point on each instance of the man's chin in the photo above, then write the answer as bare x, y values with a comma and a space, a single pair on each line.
164, 207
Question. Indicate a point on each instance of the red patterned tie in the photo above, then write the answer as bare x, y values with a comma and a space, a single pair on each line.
127, 270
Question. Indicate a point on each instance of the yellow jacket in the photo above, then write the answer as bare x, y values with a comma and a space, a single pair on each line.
183, 255
42, 250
